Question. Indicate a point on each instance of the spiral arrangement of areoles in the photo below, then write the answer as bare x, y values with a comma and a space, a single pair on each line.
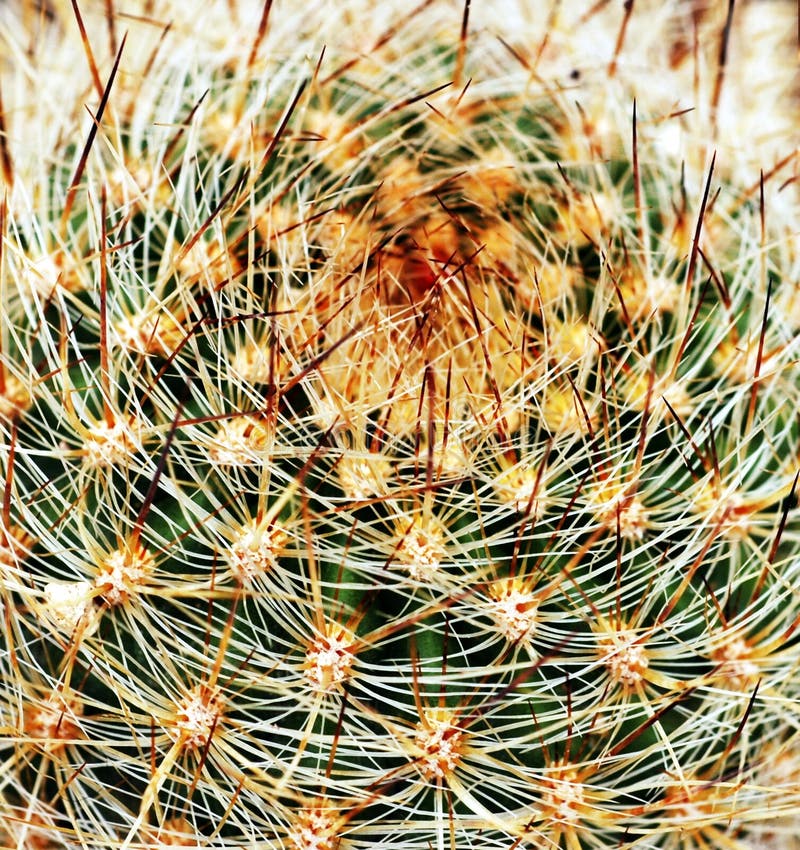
398, 435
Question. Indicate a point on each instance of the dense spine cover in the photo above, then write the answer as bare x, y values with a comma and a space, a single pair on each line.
399, 437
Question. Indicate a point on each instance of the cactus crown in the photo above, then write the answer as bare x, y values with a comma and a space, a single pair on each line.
399, 439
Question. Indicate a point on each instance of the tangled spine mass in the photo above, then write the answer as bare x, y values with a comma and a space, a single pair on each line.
399, 440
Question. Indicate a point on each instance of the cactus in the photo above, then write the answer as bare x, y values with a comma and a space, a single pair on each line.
399, 434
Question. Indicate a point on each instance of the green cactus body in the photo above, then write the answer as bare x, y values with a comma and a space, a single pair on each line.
399, 440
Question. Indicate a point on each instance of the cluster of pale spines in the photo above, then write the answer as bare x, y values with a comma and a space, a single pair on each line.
536, 565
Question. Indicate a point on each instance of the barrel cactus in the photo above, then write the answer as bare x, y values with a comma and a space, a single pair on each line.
399, 425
